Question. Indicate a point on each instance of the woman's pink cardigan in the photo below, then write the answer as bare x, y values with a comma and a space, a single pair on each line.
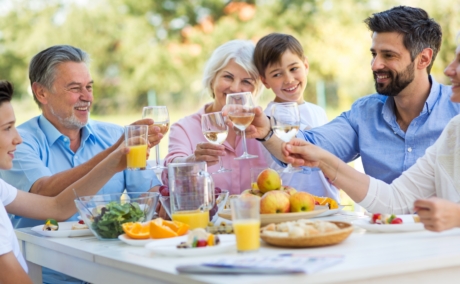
186, 134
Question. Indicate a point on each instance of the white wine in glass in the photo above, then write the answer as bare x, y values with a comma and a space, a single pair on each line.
215, 131
241, 113
160, 117
285, 123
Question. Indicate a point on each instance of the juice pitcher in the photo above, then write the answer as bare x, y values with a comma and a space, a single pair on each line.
191, 193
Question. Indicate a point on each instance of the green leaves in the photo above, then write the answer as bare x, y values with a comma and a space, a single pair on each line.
108, 224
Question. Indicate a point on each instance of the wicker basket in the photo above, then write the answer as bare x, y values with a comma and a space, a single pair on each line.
325, 239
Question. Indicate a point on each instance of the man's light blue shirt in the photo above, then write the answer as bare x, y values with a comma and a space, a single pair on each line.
370, 130
45, 152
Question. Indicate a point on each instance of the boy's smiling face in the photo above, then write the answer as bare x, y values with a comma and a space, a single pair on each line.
287, 78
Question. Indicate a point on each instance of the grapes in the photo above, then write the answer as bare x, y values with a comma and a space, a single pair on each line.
217, 190
212, 212
164, 190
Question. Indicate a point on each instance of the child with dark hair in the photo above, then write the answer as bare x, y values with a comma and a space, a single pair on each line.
18, 202
283, 68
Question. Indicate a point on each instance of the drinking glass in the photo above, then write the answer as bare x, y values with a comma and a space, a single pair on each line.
136, 137
215, 131
241, 112
246, 223
191, 195
285, 123
160, 117
255, 172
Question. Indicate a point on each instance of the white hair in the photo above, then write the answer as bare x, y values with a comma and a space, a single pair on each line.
242, 51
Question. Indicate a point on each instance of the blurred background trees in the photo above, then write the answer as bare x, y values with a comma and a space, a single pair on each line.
153, 51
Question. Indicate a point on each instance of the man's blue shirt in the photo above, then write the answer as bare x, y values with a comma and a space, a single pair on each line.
45, 152
370, 130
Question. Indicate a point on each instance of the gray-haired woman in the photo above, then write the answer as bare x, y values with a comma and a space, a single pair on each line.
230, 69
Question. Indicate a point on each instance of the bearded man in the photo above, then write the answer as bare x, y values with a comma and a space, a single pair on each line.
391, 129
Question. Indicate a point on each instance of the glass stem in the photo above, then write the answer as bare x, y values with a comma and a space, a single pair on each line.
157, 148
244, 143
221, 164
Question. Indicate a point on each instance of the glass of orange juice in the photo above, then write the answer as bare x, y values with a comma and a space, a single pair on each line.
136, 140
191, 193
246, 223
254, 174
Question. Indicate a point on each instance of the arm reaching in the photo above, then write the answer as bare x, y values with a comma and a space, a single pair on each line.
61, 207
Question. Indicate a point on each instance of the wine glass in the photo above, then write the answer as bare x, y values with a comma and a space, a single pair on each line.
160, 117
215, 131
285, 123
241, 113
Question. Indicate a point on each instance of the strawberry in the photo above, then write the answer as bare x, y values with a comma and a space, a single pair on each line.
375, 217
396, 221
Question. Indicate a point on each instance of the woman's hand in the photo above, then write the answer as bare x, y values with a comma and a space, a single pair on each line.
206, 152
299, 153
438, 214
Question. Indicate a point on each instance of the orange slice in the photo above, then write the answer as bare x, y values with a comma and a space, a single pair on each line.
158, 231
173, 226
136, 230
183, 228
324, 200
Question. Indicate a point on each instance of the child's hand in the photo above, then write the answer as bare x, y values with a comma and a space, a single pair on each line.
116, 161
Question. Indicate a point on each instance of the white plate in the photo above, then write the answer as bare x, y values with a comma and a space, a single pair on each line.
330, 212
65, 231
134, 242
406, 226
168, 246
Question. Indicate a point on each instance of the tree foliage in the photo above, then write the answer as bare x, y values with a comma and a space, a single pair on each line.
162, 45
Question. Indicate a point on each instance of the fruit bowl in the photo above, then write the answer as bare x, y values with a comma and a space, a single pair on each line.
104, 214
221, 199
266, 219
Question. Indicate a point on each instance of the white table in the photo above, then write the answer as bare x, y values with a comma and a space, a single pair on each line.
418, 257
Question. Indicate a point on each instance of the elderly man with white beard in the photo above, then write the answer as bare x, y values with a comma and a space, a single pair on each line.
62, 144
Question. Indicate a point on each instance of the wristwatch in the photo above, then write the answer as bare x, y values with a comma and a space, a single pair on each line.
269, 135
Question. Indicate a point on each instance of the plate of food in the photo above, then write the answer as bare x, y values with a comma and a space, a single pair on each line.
266, 219
63, 229
306, 233
386, 223
134, 242
197, 243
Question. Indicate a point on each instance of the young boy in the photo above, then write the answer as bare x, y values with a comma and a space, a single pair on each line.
283, 68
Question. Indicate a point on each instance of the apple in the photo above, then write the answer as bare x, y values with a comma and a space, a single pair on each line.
164, 190
302, 202
256, 192
274, 202
268, 180
289, 190
247, 194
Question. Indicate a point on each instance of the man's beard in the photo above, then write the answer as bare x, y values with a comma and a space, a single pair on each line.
398, 82
71, 122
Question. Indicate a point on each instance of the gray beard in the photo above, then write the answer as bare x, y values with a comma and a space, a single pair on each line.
71, 122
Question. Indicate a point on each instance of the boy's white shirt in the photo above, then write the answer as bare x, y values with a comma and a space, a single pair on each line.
8, 240
315, 183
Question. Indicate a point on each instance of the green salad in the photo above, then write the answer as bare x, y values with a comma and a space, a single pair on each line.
108, 223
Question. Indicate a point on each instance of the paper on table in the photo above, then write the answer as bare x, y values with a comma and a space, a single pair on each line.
293, 263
